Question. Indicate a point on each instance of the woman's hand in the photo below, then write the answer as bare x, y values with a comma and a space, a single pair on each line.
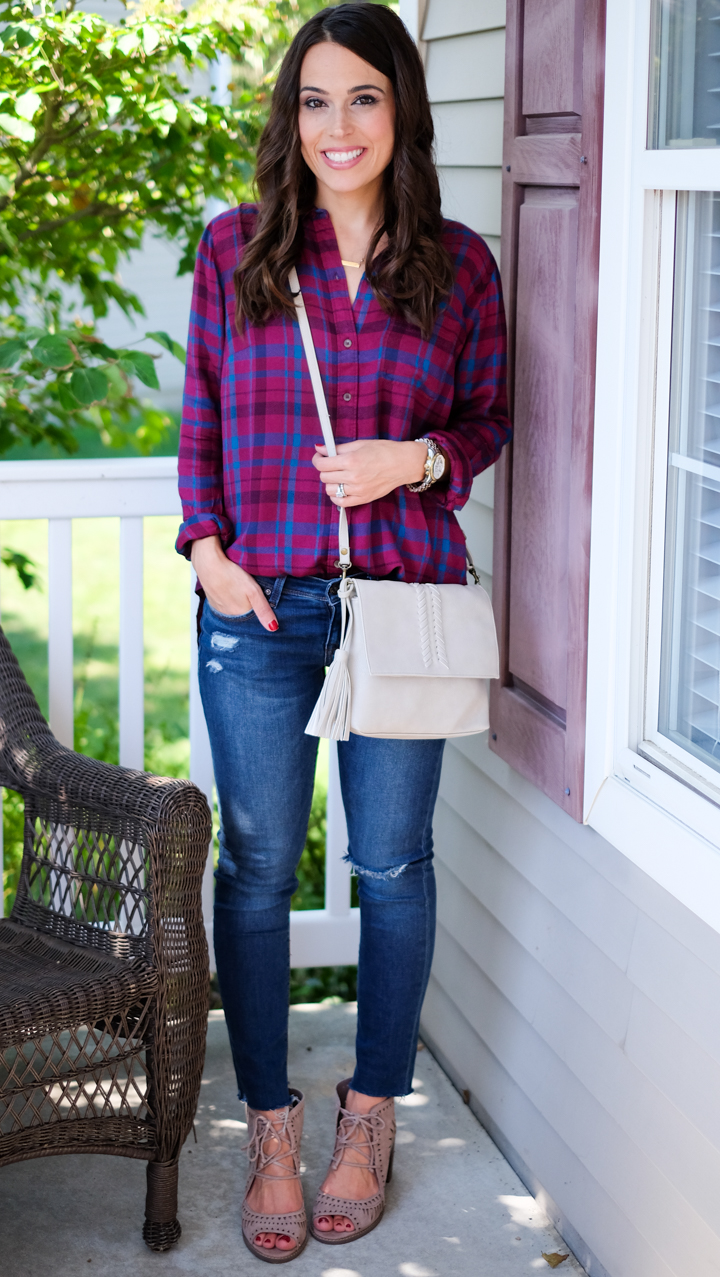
229, 589
370, 468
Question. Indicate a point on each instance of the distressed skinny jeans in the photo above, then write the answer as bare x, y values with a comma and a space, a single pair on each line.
258, 691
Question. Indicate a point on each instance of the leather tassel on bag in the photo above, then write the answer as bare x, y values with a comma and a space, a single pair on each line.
331, 715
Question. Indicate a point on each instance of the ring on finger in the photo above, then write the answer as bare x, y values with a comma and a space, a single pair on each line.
340, 491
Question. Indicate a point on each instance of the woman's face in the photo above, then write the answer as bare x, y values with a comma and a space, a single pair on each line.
346, 118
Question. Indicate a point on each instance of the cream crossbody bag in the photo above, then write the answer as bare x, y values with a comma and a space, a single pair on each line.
413, 660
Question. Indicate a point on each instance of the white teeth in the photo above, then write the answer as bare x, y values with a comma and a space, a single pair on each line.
343, 157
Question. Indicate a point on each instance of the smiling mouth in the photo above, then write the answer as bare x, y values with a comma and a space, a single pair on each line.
344, 157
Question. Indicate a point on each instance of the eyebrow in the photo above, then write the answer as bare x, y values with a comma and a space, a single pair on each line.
312, 88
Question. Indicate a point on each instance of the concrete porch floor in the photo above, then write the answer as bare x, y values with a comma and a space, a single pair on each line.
454, 1207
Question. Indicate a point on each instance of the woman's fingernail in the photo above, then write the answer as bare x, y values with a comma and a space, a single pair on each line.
273, 626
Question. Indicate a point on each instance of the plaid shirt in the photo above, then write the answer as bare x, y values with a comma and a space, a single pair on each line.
250, 425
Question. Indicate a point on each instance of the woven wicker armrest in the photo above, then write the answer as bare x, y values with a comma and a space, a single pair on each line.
166, 815
33, 761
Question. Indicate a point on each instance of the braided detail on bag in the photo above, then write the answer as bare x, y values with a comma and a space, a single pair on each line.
432, 637
436, 604
424, 623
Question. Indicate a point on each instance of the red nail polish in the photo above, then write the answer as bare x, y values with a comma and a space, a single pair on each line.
273, 626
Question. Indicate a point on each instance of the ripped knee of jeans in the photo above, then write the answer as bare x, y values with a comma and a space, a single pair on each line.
379, 875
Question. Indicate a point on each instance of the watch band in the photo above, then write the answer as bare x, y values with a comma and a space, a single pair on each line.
432, 452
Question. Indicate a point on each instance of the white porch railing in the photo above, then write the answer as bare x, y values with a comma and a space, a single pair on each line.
131, 490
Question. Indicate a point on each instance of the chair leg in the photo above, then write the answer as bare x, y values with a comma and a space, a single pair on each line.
161, 1228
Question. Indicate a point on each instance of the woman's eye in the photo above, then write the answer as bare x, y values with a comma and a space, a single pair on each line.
365, 99
313, 103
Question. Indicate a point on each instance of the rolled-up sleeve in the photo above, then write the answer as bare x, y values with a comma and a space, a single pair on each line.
478, 426
200, 457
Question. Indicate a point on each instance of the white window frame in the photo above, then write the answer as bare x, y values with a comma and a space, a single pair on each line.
661, 809
653, 744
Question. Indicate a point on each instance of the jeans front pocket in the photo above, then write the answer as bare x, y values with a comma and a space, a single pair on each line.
225, 616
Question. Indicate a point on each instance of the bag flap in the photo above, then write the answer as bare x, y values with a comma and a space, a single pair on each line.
426, 631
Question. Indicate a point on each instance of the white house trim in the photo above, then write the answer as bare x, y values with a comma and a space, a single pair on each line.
665, 826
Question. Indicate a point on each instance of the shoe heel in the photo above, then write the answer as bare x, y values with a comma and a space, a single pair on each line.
390, 1165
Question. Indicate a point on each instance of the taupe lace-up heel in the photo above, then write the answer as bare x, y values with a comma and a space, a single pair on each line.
294, 1224
374, 1152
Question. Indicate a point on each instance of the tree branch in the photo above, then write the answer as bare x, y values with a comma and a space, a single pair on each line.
40, 149
93, 210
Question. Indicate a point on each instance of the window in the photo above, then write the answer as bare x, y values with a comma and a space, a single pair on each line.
689, 693
681, 729
653, 735
685, 74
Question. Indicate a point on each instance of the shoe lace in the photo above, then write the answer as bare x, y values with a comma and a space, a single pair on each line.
357, 1131
265, 1130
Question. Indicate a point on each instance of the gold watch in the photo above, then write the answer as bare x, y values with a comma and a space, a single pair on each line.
435, 466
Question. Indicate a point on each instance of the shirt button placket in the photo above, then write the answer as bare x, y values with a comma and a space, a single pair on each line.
348, 387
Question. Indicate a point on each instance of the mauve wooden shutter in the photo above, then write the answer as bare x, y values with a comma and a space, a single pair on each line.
550, 237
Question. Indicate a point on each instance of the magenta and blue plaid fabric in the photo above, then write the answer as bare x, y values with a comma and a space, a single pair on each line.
249, 424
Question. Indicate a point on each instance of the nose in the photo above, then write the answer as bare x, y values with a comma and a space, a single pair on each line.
342, 123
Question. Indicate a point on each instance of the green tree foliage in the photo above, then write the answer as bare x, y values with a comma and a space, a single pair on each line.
102, 139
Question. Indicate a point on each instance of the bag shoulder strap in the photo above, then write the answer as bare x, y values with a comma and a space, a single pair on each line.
321, 404
325, 423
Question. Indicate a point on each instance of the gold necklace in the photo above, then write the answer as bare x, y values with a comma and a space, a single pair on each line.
356, 265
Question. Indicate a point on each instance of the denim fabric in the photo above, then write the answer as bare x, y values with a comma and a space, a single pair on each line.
258, 691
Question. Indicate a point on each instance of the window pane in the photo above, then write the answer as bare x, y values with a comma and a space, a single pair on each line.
685, 74
690, 649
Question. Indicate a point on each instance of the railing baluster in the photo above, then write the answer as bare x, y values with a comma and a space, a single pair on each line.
337, 871
201, 765
60, 629
130, 489
132, 648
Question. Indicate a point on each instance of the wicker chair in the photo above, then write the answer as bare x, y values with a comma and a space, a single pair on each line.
103, 962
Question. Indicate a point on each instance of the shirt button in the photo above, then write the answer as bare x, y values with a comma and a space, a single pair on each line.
347, 343
347, 397
268, 592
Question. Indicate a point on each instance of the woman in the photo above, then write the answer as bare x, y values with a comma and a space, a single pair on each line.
407, 320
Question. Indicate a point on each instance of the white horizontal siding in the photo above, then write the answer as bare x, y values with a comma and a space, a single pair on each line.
474, 519
675, 1064
520, 1128
660, 1210
594, 905
586, 1033
677, 982
466, 67
469, 133
513, 913
460, 17
474, 196
569, 970
483, 489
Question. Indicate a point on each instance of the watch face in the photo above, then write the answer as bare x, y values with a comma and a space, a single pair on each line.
438, 466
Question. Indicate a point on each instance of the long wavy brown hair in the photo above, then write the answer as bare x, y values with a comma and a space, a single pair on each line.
415, 271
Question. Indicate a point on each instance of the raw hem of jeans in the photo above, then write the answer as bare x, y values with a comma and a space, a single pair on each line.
390, 1094
290, 1102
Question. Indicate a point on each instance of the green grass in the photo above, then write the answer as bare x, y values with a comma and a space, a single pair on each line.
167, 663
